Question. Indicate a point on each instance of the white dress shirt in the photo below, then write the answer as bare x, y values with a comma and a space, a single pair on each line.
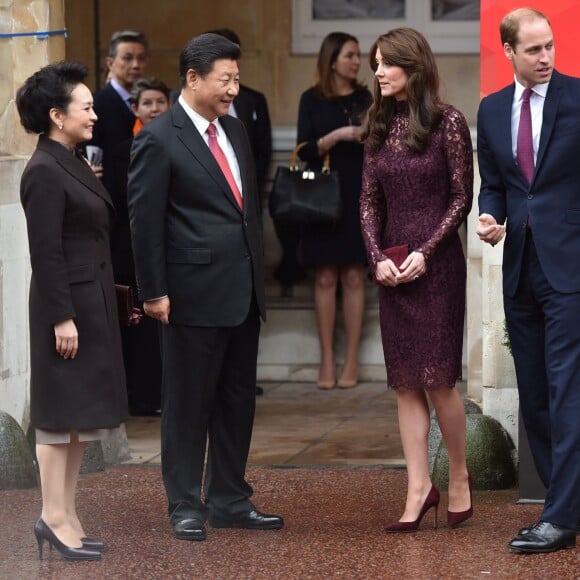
537, 99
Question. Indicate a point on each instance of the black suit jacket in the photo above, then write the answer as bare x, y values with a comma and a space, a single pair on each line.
252, 109
114, 125
191, 241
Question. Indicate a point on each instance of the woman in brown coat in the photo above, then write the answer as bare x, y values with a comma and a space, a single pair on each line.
77, 383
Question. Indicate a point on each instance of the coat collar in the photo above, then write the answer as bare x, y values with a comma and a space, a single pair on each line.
75, 166
199, 149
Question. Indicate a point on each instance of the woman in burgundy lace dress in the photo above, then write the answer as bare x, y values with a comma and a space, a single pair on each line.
417, 190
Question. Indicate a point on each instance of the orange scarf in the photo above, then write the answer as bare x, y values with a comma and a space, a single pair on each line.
137, 126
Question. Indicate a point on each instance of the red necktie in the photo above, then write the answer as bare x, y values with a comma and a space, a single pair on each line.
525, 143
223, 163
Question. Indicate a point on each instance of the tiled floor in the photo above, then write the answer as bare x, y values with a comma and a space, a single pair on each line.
298, 424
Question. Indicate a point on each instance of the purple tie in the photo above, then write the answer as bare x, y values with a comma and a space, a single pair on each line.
525, 144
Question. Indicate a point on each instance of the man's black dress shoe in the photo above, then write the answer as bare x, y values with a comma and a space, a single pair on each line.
190, 529
259, 390
252, 520
544, 537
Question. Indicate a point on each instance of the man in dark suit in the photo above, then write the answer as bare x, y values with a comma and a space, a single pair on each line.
251, 108
198, 255
528, 142
126, 63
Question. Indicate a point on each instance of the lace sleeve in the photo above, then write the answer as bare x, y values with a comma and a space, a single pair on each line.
459, 156
373, 209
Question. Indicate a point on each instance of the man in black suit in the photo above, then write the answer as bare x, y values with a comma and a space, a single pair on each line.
193, 206
126, 63
528, 139
251, 108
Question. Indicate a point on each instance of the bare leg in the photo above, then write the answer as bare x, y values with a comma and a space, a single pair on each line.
325, 304
414, 425
73, 467
353, 303
52, 461
451, 416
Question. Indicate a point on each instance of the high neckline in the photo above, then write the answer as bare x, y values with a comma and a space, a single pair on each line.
402, 106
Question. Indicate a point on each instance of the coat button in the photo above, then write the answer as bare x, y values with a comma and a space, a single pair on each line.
530, 196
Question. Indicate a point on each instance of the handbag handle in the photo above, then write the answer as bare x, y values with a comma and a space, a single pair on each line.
294, 159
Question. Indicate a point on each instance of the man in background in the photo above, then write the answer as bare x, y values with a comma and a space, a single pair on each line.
126, 63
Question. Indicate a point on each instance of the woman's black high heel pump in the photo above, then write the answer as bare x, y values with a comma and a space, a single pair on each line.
92, 544
432, 500
43, 532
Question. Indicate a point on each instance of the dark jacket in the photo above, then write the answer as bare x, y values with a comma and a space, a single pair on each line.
68, 214
191, 241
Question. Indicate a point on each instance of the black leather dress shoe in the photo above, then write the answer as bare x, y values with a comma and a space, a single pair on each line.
252, 520
259, 391
190, 529
544, 537
526, 530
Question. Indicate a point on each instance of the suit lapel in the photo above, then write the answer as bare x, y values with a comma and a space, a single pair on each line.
194, 142
76, 167
549, 116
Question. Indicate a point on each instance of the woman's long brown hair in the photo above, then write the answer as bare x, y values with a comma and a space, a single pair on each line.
329, 50
408, 49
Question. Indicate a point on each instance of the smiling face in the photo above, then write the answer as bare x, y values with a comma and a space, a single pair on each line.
128, 63
533, 55
74, 125
392, 79
212, 95
347, 64
151, 104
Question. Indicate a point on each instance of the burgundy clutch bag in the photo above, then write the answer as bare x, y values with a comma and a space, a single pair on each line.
398, 254
124, 303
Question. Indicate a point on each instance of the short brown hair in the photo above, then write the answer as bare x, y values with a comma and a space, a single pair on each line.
510, 24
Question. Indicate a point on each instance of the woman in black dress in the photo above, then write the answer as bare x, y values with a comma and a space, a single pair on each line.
417, 191
329, 120
77, 381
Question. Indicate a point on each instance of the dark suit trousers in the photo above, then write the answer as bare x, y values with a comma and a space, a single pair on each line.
544, 331
208, 396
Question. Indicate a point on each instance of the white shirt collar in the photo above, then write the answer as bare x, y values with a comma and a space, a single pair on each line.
540, 90
201, 123
122, 92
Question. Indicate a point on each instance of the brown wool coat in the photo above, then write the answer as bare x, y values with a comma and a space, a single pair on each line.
68, 214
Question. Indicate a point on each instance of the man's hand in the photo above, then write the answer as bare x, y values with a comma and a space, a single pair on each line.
488, 229
158, 309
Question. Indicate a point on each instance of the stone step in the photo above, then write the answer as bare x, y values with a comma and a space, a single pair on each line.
289, 348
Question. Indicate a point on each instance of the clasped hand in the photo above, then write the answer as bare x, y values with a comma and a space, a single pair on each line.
389, 275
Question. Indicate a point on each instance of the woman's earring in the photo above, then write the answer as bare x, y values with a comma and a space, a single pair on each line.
60, 127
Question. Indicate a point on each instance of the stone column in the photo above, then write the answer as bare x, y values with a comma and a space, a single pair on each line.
491, 373
19, 57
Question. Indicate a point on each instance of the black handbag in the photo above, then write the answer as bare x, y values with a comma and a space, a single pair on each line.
305, 196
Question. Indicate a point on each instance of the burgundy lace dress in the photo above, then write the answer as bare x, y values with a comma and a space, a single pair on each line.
421, 199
